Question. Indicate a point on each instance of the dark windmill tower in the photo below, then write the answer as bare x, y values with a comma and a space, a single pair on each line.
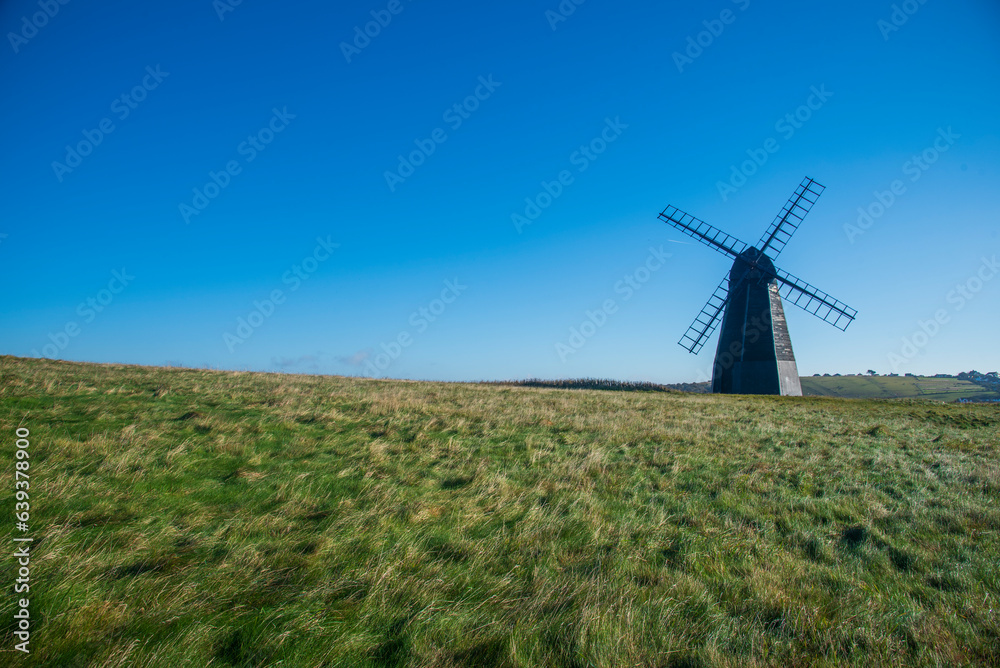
755, 352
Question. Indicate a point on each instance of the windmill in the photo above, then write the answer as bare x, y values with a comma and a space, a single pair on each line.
754, 355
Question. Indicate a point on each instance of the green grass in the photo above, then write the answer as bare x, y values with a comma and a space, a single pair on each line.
901, 387
202, 518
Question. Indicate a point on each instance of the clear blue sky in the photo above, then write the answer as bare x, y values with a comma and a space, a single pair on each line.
329, 121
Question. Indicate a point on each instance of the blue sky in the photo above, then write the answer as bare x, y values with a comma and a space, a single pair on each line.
243, 175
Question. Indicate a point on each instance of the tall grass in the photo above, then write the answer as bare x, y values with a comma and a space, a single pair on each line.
187, 517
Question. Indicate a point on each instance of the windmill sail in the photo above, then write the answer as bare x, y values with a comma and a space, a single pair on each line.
712, 237
820, 304
706, 321
790, 217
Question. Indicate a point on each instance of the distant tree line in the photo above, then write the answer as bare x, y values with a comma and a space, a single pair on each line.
606, 384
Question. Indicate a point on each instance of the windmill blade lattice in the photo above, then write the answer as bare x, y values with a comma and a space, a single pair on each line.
712, 237
706, 321
820, 304
789, 218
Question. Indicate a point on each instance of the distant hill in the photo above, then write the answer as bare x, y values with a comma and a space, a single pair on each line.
894, 387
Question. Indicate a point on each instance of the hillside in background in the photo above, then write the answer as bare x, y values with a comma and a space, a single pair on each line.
895, 387
189, 517
843, 387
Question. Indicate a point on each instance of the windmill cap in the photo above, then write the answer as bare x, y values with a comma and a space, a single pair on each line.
752, 264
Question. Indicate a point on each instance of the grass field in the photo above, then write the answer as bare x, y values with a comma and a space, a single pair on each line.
901, 387
199, 518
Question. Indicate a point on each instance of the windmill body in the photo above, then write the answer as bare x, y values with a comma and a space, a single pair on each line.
754, 354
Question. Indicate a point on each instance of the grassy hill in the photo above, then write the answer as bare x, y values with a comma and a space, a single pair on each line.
896, 387
186, 517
